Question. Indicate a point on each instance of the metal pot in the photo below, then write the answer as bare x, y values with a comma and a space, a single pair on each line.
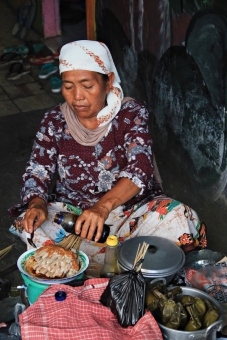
208, 333
197, 259
162, 260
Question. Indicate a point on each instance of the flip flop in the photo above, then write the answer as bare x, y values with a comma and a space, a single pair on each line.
46, 70
38, 60
17, 70
55, 84
9, 58
27, 48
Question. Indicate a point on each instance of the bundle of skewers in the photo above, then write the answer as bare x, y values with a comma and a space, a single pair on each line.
140, 254
5, 251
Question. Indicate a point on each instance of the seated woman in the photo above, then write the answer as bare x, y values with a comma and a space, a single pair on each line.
100, 146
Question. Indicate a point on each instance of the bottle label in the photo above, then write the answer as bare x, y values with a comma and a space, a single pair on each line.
76, 210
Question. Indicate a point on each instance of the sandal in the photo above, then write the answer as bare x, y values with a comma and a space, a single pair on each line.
9, 58
28, 48
55, 84
17, 70
46, 70
38, 60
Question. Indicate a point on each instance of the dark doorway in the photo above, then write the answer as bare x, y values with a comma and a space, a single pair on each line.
73, 20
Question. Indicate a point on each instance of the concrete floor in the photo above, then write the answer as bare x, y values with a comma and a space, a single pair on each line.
23, 103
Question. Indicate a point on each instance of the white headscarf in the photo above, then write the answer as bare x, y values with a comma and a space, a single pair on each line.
94, 56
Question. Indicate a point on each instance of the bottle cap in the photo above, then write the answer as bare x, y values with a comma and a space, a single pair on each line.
60, 295
58, 218
112, 240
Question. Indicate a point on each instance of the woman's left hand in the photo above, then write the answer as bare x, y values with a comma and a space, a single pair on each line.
91, 222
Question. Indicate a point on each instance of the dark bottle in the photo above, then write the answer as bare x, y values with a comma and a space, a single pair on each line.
67, 221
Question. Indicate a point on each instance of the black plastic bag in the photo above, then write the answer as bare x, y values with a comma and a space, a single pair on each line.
5, 287
125, 296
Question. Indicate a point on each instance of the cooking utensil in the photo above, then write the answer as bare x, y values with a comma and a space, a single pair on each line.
30, 239
197, 259
163, 258
208, 333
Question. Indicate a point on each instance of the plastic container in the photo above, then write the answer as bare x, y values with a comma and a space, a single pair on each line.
34, 289
93, 270
110, 266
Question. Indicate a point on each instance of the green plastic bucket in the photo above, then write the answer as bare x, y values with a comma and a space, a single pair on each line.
34, 289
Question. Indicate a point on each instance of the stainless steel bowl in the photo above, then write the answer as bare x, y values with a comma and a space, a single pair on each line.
197, 259
208, 333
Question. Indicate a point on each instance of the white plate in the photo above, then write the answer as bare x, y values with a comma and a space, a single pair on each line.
83, 259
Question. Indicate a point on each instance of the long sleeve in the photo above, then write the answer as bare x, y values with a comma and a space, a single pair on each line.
42, 163
138, 147
86, 173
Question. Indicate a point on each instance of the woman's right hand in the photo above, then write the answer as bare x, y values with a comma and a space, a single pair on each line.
35, 215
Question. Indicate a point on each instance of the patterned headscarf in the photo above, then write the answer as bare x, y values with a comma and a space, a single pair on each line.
94, 56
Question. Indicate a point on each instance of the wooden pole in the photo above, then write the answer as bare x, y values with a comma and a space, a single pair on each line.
90, 19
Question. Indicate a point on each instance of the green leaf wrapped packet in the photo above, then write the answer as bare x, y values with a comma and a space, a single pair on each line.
211, 315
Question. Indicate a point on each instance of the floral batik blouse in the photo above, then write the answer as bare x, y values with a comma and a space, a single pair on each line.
86, 173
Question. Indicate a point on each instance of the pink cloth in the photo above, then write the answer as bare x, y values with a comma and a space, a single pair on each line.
80, 316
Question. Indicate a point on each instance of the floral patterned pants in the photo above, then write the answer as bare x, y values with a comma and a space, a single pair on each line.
160, 216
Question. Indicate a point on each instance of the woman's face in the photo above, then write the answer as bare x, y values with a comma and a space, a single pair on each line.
85, 92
